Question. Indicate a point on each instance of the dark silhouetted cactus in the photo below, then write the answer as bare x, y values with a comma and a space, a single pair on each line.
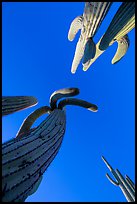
26, 157
11, 104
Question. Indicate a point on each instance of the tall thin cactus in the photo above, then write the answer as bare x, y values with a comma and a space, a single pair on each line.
11, 104
126, 184
26, 157
122, 23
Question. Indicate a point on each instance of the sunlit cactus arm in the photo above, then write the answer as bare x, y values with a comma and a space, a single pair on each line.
75, 26
66, 92
77, 102
28, 122
128, 192
26, 159
123, 45
79, 52
11, 104
121, 20
94, 13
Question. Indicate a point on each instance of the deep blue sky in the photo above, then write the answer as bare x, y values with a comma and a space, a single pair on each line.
36, 60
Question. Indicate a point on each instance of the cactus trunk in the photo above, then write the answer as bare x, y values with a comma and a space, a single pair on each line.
25, 160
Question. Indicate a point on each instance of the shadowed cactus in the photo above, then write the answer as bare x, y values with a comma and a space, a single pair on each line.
26, 157
122, 23
11, 104
126, 184
89, 23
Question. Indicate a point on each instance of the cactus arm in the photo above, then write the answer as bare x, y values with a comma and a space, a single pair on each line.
66, 92
89, 52
75, 26
77, 102
111, 180
79, 51
11, 104
28, 122
123, 45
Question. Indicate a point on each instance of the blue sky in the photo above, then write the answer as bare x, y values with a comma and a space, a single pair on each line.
36, 61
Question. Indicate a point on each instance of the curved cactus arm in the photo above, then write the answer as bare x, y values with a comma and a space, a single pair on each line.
77, 102
111, 180
11, 104
28, 122
123, 45
75, 26
66, 92
79, 51
90, 51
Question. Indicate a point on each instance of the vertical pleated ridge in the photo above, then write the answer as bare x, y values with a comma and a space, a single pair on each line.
122, 23
94, 13
11, 104
25, 160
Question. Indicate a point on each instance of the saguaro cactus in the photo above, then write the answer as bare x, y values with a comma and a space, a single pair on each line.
126, 184
26, 157
89, 22
11, 104
122, 23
